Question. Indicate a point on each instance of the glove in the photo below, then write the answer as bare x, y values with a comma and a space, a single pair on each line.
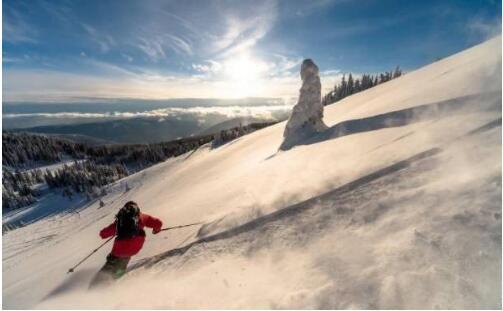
156, 230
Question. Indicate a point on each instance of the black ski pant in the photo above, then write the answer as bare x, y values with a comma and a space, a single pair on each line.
116, 266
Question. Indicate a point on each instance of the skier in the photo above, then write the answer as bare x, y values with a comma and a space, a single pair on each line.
130, 236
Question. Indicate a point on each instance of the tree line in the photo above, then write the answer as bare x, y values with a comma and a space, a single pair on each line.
227, 135
93, 166
351, 86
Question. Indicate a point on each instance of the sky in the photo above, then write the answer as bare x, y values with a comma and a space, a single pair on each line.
77, 51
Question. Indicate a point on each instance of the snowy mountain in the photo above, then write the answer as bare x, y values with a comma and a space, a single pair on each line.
396, 205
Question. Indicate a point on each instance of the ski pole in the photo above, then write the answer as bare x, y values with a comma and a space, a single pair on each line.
171, 228
94, 251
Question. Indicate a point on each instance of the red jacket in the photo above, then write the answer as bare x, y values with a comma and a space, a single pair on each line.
130, 247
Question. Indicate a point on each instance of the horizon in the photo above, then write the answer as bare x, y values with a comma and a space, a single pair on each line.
153, 51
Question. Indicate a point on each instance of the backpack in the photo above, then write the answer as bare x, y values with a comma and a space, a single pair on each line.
128, 222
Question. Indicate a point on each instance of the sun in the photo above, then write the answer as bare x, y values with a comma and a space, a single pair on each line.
245, 75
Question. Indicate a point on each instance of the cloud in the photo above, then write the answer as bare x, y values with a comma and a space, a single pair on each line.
208, 67
8, 59
58, 10
108, 69
168, 35
306, 8
277, 78
16, 28
329, 72
243, 29
152, 48
278, 66
282, 65
127, 57
102, 39
270, 111
62, 115
482, 28
186, 24
179, 45
155, 46
55, 86
226, 30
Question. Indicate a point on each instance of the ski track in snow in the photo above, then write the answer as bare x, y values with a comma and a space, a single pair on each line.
396, 205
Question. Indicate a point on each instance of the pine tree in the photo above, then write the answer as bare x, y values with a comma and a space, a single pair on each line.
397, 73
350, 85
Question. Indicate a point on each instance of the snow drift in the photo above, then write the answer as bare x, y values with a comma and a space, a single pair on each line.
395, 205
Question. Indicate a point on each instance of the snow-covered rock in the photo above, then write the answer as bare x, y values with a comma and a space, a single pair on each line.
307, 115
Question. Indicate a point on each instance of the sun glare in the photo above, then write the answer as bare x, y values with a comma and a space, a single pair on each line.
245, 75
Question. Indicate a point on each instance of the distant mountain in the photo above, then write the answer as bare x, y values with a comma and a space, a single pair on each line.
144, 129
136, 130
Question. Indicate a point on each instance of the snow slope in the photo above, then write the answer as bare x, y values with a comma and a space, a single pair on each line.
397, 205
49, 202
